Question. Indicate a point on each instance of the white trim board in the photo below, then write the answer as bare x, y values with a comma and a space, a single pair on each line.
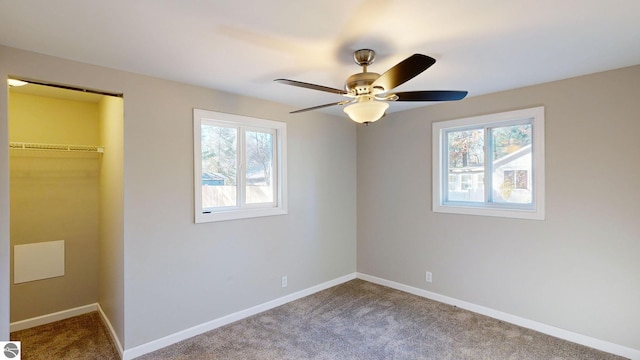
516, 320
112, 332
49, 318
216, 323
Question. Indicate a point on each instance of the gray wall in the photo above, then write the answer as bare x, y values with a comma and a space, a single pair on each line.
178, 274
111, 220
577, 270
5, 259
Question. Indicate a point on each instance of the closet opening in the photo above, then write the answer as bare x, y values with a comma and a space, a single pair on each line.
66, 202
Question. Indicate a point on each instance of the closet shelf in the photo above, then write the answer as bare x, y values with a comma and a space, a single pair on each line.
56, 147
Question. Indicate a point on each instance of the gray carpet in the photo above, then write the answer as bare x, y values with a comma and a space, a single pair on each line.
80, 337
361, 320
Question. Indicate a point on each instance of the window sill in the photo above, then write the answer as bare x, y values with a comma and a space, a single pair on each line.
487, 211
237, 214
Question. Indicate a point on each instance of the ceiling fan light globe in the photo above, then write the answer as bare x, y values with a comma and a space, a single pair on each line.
366, 111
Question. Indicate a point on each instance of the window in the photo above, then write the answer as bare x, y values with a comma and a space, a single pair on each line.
239, 166
490, 165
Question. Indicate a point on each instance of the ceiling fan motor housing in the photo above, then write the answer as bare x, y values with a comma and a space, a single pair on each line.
360, 83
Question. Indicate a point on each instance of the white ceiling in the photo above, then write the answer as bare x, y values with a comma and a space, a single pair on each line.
482, 46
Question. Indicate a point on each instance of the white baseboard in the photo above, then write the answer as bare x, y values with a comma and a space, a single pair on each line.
216, 323
112, 332
516, 320
49, 318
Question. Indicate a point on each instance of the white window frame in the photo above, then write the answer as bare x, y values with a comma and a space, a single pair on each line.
241, 211
535, 211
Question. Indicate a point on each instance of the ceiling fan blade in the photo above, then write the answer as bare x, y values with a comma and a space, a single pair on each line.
432, 95
404, 71
310, 86
322, 106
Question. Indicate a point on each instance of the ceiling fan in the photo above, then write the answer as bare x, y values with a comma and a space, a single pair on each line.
369, 92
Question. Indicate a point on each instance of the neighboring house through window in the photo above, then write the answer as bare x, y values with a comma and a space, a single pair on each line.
490, 165
240, 166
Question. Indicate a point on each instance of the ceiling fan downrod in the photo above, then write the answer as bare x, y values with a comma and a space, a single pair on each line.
360, 83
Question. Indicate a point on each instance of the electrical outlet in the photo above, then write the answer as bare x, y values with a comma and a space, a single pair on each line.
284, 282
429, 277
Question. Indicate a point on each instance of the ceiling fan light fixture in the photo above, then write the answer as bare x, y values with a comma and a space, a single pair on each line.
366, 111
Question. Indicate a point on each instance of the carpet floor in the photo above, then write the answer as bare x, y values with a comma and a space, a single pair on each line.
361, 320
80, 337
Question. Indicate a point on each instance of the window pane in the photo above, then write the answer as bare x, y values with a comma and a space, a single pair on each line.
259, 168
219, 166
465, 150
512, 164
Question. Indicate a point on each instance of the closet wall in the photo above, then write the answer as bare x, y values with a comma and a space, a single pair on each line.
54, 195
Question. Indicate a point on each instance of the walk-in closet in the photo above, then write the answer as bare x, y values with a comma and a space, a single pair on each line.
65, 177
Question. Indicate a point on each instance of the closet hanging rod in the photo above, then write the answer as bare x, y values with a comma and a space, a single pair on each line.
67, 87
56, 147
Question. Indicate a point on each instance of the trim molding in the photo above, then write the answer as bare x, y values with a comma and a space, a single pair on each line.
112, 332
49, 318
516, 320
216, 323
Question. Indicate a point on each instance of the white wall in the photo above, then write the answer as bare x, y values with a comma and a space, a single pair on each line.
577, 270
178, 274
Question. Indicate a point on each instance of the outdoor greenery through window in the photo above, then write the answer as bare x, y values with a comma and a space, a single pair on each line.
491, 165
239, 166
